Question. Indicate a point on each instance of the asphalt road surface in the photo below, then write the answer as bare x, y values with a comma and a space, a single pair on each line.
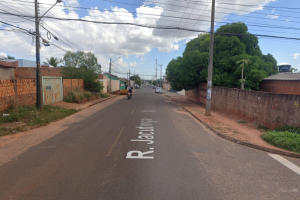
145, 148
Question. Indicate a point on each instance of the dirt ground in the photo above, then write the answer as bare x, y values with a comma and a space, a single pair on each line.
226, 124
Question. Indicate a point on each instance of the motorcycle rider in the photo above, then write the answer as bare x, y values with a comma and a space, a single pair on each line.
130, 91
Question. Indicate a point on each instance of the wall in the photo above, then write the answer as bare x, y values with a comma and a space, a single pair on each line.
271, 109
104, 82
115, 85
167, 86
30, 72
281, 87
7, 73
22, 92
72, 85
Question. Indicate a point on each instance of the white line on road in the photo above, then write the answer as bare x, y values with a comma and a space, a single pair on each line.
116, 140
286, 163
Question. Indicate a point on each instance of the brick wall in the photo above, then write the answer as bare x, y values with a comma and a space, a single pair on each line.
271, 109
30, 72
281, 87
22, 92
72, 84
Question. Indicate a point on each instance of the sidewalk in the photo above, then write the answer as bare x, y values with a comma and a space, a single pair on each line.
226, 126
81, 106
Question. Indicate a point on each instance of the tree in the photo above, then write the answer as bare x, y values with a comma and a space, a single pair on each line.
244, 62
154, 82
53, 61
139, 82
232, 43
82, 65
135, 77
10, 57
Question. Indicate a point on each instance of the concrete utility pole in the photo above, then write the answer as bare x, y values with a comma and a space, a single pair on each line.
129, 78
156, 69
38, 75
210, 61
110, 76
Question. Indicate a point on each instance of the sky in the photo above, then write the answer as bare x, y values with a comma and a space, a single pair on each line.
141, 49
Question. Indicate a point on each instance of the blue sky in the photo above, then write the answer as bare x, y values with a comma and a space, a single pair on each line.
140, 47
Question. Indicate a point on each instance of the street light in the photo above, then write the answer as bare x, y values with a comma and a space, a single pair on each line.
110, 73
37, 35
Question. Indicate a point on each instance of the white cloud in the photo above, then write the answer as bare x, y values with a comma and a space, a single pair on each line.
272, 16
3, 54
107, 40
283, 63
295, 55
132, 64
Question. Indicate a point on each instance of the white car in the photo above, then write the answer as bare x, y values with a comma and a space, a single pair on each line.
158, 90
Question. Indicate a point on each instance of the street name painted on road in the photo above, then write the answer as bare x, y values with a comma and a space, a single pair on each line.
146, 134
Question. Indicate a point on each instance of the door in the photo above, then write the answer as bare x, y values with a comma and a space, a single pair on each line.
52, 90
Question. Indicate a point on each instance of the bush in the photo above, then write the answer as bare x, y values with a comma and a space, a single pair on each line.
288, 129
92, 85
285, 140
104, 95
74, 96
87, 94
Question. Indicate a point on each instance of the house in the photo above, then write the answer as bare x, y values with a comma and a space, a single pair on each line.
282, 83
105, 80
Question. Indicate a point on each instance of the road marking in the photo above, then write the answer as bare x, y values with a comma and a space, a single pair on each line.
115, 142
148, 110
132, 110
286, 163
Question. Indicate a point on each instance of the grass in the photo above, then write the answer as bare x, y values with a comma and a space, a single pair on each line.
33, 118
77, 95
104, 95
242, 122
285, 140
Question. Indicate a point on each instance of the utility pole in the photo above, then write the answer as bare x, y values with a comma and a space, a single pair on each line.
110, 76
129, 78
156, 69
210, 61
38, 75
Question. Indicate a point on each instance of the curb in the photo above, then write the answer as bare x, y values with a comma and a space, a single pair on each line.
103, 100
254, 146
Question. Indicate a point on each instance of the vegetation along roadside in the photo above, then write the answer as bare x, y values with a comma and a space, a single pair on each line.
31, 117
285, 137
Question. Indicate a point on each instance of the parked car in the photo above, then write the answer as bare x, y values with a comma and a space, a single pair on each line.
137, 87
158, 90
153, 87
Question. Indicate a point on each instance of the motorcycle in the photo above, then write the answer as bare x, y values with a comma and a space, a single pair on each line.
129, 95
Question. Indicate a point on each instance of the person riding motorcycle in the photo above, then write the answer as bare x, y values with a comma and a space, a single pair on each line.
130, 91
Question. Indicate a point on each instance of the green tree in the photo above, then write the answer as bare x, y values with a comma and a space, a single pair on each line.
10, 57
138, 81
244, 62
232, 43
53, 61
154, 82
135, 77
82, 65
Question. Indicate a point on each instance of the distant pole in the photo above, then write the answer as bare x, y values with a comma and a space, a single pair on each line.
156, 70
210, 61
38, 76
110, 76
129, 78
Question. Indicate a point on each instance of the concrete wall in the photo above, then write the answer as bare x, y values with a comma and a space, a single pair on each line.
104, 82
22, 92
281, 87
115, 85
167, 86
7, 73
271, 109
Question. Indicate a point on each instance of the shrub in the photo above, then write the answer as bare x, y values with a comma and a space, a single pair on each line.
92, 85
74, 96
104, 95
87, 94
285, 140
288, 129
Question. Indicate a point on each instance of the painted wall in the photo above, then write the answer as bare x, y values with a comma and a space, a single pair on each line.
271, 109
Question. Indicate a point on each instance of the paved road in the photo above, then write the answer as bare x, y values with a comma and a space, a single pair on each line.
172, 156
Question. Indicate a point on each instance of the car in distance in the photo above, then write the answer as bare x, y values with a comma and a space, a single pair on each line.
158, 90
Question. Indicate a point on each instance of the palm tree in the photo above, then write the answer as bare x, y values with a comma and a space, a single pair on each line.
53, 61
244, 62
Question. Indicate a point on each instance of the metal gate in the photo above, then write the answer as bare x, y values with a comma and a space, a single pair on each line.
52, 89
